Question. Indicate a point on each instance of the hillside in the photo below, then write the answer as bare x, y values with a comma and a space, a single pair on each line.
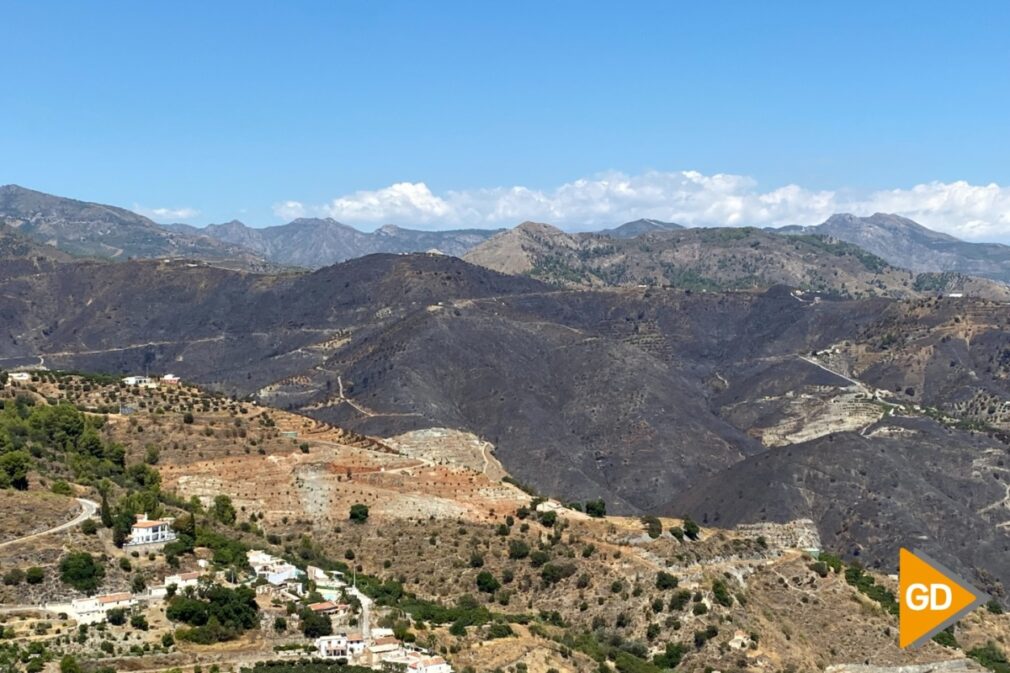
635, 395
482, 573
314, 243
95, 230
706, 259
910, 245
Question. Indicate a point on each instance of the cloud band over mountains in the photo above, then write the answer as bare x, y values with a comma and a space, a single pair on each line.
974, 212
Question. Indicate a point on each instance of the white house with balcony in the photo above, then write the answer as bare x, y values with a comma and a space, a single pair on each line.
150, 532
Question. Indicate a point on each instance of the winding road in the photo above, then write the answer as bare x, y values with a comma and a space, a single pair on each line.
88, 510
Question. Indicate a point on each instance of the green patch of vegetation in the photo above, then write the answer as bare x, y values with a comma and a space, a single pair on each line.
992, 657
866, 585
214, 614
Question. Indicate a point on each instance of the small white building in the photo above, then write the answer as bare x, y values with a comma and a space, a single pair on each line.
329, 584
96, 608
332, 646
20, 377
274, 570
170, 380
180, 580
139, 381
150, 531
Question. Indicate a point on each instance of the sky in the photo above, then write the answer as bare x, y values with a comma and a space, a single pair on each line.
482, 114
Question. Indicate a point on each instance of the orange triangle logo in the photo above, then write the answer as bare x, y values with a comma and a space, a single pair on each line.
932, 598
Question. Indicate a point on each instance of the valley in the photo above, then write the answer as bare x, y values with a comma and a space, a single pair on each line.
457, 560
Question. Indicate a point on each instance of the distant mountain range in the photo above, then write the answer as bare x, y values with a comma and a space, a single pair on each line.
711, 259
910, 245
88, 229
661, 252
315, 243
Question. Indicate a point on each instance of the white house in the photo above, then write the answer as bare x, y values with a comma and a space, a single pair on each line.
96, 609
274, 570
170, 380
328, 584
20, 376
180, 580
355, 644
150, 531
141, 381
332, 646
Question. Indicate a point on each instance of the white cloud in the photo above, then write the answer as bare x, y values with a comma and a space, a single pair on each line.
167, 214
688, 197
290, 210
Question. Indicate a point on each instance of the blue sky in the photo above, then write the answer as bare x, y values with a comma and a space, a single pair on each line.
451, 114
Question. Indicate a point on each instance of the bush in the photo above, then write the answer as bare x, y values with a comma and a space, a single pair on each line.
691, 529
992, 657
721, 594
596, 508
89, 527
139, 621
665, 580
14, 576
652, 526
116, 616
552, 573
359, 513
487, 583
315, 625
61, 487
35, 575
81, 571
499, 630
518, 549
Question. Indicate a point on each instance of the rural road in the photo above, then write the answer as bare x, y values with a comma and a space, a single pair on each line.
88, 509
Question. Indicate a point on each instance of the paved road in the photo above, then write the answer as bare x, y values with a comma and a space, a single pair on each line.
88, 509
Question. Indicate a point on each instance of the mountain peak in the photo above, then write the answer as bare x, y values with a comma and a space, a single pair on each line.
639, 227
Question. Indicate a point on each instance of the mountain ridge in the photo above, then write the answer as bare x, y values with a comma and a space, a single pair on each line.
88, 229
908, 244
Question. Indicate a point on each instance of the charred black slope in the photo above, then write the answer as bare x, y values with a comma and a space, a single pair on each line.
909, 482
656, 400
233, 329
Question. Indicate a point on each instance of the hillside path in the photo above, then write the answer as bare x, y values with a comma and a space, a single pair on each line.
88, 509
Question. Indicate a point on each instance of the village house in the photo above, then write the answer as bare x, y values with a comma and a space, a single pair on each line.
274, 570
96, 608
140, 381
150, 532
20, 377
180, 580
382, 650
355, 644
329, 608
332, 646
330, 585
170, 380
